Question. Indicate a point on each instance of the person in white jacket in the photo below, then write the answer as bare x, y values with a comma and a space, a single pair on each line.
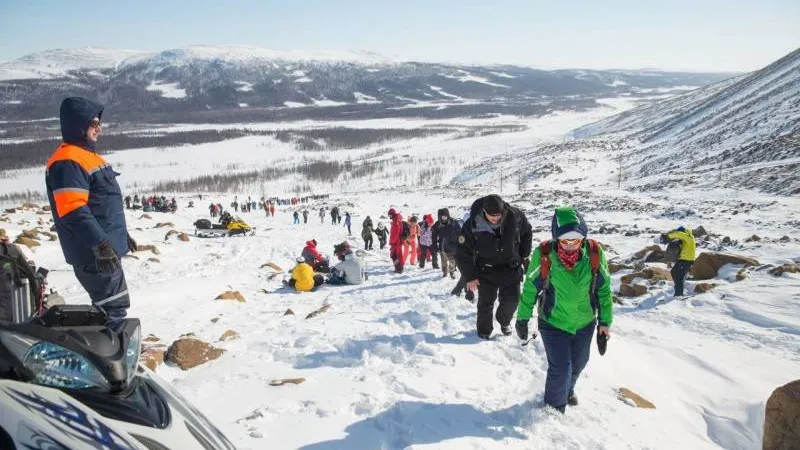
350, 270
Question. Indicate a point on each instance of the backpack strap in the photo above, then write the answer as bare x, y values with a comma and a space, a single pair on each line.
594, 261
545, 247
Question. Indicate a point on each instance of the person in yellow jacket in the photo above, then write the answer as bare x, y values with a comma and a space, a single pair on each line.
685, 258
303, 277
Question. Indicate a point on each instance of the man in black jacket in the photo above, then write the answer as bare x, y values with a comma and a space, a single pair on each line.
445, 240
493, 251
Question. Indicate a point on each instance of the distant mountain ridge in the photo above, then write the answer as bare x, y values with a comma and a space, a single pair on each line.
197, 79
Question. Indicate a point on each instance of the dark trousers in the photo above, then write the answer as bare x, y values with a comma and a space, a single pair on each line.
382, 242
488, 292
678, 272
424, 252
448, 264
460, 285
368, 242
108, 290
567, 355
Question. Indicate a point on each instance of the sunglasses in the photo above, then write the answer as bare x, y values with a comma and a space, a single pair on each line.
570, 242
95, 124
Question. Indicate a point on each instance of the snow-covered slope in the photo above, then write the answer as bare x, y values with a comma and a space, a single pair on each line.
57, 63
745, 126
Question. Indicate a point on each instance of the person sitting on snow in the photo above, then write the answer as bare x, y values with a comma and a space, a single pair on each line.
350, 270
314, 257
303, 277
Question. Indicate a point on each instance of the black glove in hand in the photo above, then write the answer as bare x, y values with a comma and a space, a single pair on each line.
105, 257
132, 246
522, 329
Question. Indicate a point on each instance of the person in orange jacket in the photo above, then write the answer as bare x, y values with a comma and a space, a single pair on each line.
396, 238
412, 241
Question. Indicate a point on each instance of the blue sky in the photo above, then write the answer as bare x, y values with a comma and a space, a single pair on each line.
718, 35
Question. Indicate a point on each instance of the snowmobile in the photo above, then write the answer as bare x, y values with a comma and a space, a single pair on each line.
231, 226
67, 381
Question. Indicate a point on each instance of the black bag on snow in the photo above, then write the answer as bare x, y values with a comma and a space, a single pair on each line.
202, 224
673, 251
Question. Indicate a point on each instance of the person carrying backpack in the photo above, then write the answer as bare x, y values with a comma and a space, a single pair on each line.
445, 240
382, 233
427, 250
568, 278
493, 247
366, 233
685, 258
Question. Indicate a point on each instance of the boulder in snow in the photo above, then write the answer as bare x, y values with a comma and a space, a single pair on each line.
190, 352
152, 248
782, 418
165, 224
283, 381
701, 288
753, 238
785, 268
288, 312
632, 290
708, 263
229, 335
28, 242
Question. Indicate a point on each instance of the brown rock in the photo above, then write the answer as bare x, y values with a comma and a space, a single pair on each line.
151, 338
286, 381
153, 356
655, 255
183, 237
617, 300
628, 279
31, 234
152, 248
272, 265
231, 295
30, 206
782, 418
145, 216
753, 238
652, 274
50, 236
640, 402
169, 233
785, 268
22, 240
10, 210
700, 231
131, 256
319, 311
46, 208
190, 352
784, 239
701, 288
741, 275
632, 290
229, 335
288, 312
5, 219
165, 224
614, 267
155, 260
708, 263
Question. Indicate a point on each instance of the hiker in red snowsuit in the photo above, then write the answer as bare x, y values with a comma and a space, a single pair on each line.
272, 209
396, 247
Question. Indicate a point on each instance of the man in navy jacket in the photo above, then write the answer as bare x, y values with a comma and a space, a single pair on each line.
86, 203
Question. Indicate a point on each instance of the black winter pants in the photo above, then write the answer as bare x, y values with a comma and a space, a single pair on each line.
368, 242
108, 290
424, 251
488, 292
678, 272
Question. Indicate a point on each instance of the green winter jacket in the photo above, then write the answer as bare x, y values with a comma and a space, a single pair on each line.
567, 304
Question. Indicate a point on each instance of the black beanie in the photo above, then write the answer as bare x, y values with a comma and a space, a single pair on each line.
493, 204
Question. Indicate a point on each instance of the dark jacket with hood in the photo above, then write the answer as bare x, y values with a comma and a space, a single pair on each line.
484, 249
445, 233
85, 198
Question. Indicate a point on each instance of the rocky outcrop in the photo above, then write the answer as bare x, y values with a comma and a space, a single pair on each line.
189, 352
708, 264
785, 268
630, 397
782, 418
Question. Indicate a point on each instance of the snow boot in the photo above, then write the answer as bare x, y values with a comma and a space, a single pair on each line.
572, 400
485, 336
506, 330
470, 296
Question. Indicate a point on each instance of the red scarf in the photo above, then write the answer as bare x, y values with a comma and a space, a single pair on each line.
568, 259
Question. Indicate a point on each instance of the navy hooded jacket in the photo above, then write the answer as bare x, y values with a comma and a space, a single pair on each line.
85, 198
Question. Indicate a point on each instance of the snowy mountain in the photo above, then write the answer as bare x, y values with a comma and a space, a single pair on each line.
217, 81
745, 129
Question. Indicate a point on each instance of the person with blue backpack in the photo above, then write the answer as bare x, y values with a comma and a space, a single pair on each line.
568, 279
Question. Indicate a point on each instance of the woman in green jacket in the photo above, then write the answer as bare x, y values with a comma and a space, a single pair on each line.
569, 278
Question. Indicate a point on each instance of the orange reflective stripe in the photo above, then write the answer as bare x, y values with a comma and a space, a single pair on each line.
69, 199
90, 162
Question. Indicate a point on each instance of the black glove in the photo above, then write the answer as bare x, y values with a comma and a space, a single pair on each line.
132, 246
105, 258
522, 329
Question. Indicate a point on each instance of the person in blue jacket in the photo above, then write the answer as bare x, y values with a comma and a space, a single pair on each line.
86, 203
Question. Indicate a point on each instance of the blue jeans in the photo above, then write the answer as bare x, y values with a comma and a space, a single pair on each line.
567, 355
108, 290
